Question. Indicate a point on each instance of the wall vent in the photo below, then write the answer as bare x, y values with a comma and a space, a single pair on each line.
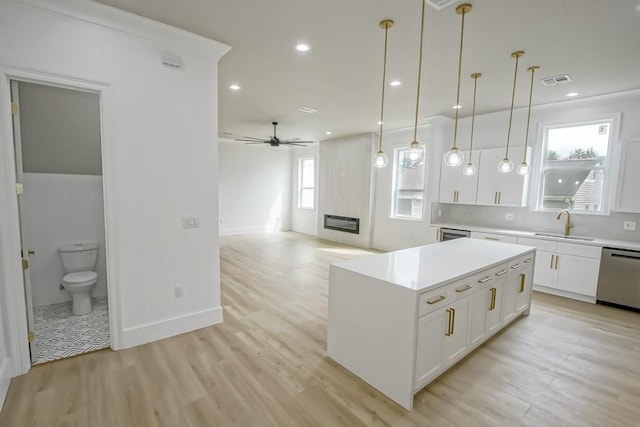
172, 61
440, 4
556, 80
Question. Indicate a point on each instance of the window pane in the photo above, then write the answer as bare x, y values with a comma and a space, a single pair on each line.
307, 172
306, 198
578, 142
306, 183
576, 189
408, 185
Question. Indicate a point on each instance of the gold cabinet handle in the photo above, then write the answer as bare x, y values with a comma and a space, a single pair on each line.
492, 238
556, 264
453, 320
32, 252
449, 315
551, 263
501, 272
499, 196
463, 289
492, 303
522, 279
528, 260
437, 299
495, 198
485, 280
515, 266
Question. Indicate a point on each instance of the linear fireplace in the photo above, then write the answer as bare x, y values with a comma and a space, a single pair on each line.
342, 223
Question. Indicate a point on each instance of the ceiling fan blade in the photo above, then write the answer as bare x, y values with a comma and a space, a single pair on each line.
250, 137
296, 142
257, 142
252, 140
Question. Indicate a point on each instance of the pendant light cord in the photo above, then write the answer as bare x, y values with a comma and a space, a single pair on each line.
517, 55
526, 135
463, 12
473, 111
386, 25
415, 123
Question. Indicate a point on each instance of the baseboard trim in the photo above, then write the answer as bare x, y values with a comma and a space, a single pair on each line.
249, 230
143, 334
5, 379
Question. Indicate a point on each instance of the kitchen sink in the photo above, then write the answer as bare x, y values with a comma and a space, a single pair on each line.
560, 236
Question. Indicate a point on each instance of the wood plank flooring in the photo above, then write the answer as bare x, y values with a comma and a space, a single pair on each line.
567, 364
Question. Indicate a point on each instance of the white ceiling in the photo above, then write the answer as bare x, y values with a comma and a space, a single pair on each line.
596, 42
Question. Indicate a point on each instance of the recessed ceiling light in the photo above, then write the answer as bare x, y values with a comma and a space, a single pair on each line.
577, 182
308, 110
303, 47
234, 87
328, 132
560, 181
379, 122
572, 94
395, 83
457, 107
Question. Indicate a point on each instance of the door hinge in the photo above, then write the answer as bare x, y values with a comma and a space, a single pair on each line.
19, 188
31, 335
25, 263
14, 108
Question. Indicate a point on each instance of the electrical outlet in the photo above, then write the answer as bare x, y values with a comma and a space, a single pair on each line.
179, 291
508, 216
629, 225
190, 222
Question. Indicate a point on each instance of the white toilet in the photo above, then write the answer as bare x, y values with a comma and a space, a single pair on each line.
79, 260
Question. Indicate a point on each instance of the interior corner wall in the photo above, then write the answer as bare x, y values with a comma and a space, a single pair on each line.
5, 365
345, 186
304, 220
255, 190
159, 152
396, 233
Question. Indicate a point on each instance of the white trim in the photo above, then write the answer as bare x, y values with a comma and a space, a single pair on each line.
565, 294
5, 379
154, 331
125, 22
249, 230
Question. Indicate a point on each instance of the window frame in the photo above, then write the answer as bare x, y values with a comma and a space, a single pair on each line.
394, 181
301, 161
610, 167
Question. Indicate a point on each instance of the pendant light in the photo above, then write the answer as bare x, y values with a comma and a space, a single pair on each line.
505, 165
381, 160
470, 168
416, 152
455, 157
523, 168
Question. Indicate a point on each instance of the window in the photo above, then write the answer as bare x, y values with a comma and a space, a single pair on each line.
408, 185
574, 168
306, 182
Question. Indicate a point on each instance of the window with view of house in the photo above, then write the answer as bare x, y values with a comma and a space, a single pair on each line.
408, 186
306, 183
574, 167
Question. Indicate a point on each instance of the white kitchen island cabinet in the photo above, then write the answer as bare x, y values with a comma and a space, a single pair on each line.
400, 319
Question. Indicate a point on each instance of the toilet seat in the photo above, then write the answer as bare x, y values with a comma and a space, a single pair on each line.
80, 278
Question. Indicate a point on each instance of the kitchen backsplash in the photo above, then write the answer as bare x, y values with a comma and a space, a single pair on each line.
603, 226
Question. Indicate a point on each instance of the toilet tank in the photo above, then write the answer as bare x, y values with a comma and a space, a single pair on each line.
79, 256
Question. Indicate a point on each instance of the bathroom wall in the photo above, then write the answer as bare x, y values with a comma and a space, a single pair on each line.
61, 209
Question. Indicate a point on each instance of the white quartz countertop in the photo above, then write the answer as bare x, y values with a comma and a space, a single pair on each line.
620, 244
432, 265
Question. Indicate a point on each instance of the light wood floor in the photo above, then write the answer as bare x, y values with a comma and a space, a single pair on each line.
568, 364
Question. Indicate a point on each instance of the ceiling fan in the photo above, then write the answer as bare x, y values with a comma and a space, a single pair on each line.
274, 141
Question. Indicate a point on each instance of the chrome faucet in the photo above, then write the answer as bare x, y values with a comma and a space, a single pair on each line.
567, 225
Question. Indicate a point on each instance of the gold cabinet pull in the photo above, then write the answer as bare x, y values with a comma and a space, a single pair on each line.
485, 280
453, 320
437, 299
463, 289
501, 272
551, 263
492, 238
522, 279
499, 196
495, 198
528, 260
556, 264
515, 266
492, 303
449, 315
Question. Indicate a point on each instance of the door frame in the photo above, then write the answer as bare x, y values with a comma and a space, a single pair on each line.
12, 284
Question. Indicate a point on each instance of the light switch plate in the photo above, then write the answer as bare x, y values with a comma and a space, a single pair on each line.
508, 217
629, 225
190, 222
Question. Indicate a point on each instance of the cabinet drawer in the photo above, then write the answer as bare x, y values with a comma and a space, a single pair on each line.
491, 275
433, 300
496, 237
580, 250
543, 245
521, 263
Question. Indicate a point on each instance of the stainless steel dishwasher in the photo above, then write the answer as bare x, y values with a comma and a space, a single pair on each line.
619, 280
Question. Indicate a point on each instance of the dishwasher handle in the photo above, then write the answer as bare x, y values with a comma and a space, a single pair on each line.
634, 257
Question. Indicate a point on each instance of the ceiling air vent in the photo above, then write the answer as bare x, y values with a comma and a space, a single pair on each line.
440, 4
556, 80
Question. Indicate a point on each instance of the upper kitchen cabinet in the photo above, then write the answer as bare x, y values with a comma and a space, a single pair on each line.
456, 187
628, 195
497, 188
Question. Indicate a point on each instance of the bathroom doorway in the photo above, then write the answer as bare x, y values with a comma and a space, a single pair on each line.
57, 137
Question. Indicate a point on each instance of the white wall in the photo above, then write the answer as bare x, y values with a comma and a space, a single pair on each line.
394, 233
61, 209
255, 195
345, 186
159, 159
304, 220
5, 362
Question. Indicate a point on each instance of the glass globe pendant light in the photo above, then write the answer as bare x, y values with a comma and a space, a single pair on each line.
524, 168
469, 169
505, 165
381, 160
416, 152
455, 157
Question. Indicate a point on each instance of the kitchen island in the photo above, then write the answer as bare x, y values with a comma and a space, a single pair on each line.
400, 319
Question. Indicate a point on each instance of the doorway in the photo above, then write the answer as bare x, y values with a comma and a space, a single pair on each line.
57, 137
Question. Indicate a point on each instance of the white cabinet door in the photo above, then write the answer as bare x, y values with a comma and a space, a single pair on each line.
516, 294
628, 198
455, 340
577, 274
544, 273
480, 306
497, 188
523, 296
495, 237
494, 314
431, 331
456, 187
